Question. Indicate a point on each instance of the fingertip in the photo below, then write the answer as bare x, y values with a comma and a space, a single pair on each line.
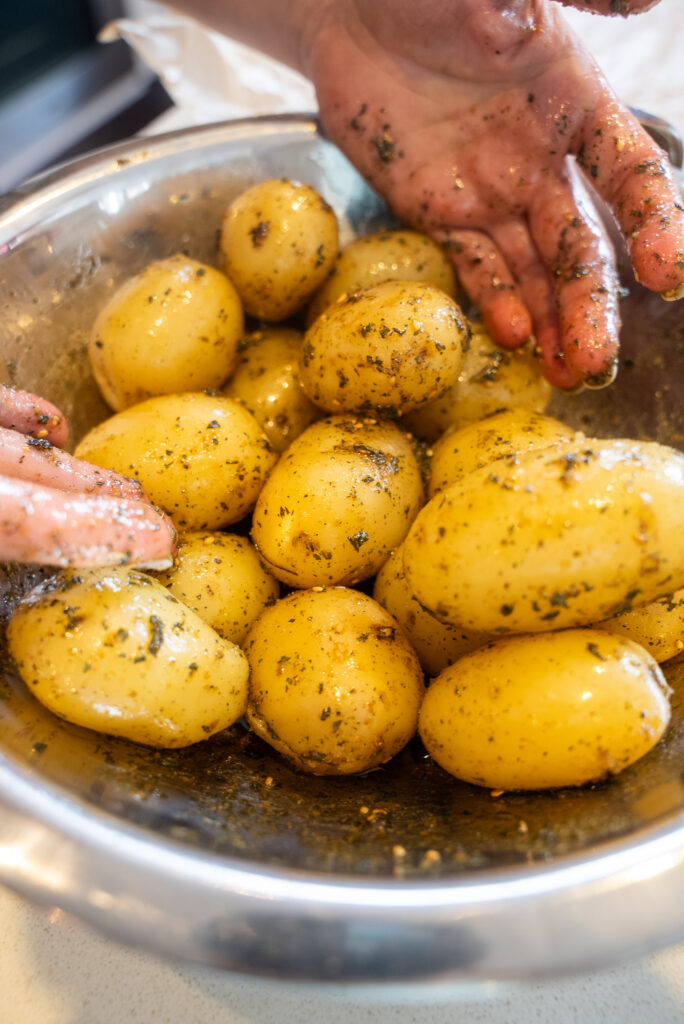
507, 320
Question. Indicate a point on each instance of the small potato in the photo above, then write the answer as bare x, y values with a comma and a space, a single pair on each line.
220, 577
658, 626
436, 644
334, 684
554, 538
112, 650
342, 496
267, 382
202, 459
279, 242
490, 379
389, 348
534, 712
385, 256
173, 327
514, 431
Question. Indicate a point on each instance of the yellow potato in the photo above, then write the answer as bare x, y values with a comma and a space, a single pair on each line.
436, 643
657, 626
342, 496
267, 382
490, 379
334, 684
460, 451
385, 256
279, 242
389, 348
112, 650
553, 538
220, 577
556, 709
202, 459
173, 327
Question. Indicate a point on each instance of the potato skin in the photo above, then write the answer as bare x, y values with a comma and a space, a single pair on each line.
173, 327
490, 379
220, 577
389, 348
342, 496
334, 684
112, 650
553, 538
555, 709
385, 256
279, 242
266, 380
201, 458
658, 626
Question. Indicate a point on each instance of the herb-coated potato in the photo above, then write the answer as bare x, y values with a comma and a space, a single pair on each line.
657, 626
460, 451
558, 537
385, 256
436, 643
389, 348
202, 459
555, 709
220, 577
173, 327
342, 496
266, 380
112, 650
334, 684
279, 242
490, 379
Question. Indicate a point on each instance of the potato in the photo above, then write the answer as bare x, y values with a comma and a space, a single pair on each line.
342, 496
279, 242
490, 379
385, 256
436, 644
173, 327
202, 459
267, 382
553, 538
220, 577
556, 709
460, 451
657, 626
112, 650
334, 684
389, 348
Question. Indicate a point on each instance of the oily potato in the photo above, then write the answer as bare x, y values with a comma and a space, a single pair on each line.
490, 379
173, 327
514, 431
657, 626
385, 256
220, 577
342, 496
334, 684
552, 538
266, 380
279, 242
201, 458
554, 709
112, 650
389, 348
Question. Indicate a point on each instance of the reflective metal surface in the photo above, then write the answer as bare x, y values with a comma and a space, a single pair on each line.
222, 853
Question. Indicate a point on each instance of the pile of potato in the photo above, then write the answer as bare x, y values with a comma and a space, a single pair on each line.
535, 573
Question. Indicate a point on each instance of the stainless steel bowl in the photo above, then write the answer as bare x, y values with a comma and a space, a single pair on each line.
222, 853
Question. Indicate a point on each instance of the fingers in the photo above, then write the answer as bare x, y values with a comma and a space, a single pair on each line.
486, 278
48, 526
634, 177
29, 414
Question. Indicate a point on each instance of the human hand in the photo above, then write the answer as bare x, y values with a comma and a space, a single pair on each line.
464, 115
58, 510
